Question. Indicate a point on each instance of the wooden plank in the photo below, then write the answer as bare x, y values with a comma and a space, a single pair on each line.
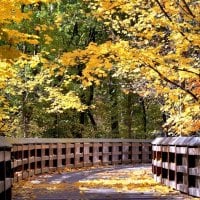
158, 148
126, 153
116, 153
194, 171
194, 192
16, 141
87, 154
181, 150
172, 166
78, 155
59, 157
2, 188
182, 168
194, 151
165, 165
165, 148
154, 148
2, 158
172, 184
50, 156
97, 153
43, 157
165, 181
182, 188
107, 153
8, 183
172, 149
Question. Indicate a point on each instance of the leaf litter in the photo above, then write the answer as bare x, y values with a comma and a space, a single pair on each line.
127, 180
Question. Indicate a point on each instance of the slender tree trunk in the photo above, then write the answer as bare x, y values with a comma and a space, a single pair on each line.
144, 116
92, 120
129, 115
89, 103
24, 98
113, 92
88, 95
87, 99
24, 119
37, 47
27, 110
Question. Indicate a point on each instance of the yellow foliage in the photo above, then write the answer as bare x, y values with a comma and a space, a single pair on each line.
14, 37
11, 11
62, 102
8, 52
156, 48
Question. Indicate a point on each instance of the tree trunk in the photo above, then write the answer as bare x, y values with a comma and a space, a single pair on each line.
24, 120
113, 92
129, 115
144, 116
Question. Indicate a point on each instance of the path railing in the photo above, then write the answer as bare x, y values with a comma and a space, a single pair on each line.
5, 169
26, 157
176, 163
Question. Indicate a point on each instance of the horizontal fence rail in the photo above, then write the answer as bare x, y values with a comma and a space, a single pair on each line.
176, 163
30, 156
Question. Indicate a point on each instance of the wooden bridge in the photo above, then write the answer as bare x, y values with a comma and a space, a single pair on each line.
25, 157
118, 182
21, 159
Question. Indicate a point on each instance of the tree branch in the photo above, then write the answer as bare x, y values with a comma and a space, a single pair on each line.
188, 8
173, 83
184, 10
163, 10
186, 70
166, 15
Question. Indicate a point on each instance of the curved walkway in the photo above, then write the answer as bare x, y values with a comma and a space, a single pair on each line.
124, 182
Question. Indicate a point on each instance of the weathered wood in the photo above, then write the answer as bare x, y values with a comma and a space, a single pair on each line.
178, 158
5, 169
31, 156
194, 151
194, 171
194, 191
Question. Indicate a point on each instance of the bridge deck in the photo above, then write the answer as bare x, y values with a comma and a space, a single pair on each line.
113, 183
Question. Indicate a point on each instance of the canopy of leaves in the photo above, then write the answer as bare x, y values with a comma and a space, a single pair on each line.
61, 60
156, 44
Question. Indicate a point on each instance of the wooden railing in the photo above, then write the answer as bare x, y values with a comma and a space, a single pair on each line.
5, 169
176, 163
31, 156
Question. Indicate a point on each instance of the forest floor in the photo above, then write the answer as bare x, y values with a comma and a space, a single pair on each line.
123, 182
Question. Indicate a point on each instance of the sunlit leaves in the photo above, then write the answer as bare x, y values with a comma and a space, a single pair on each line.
62, 102
138, 180
153, 45
157, 42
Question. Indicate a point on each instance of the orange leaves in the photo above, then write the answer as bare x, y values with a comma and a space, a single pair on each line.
11, 11
161, 41
14, 37
192, 126
8, 52
69, 58
194, 85
95, 59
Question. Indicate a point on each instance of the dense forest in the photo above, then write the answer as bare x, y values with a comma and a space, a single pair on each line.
99, 68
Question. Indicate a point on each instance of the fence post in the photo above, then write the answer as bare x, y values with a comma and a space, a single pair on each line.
5, 169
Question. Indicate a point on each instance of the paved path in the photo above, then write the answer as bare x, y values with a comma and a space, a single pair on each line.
80, 185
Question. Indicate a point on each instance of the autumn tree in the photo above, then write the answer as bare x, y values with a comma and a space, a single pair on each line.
61, 60
30, 76
158, 42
